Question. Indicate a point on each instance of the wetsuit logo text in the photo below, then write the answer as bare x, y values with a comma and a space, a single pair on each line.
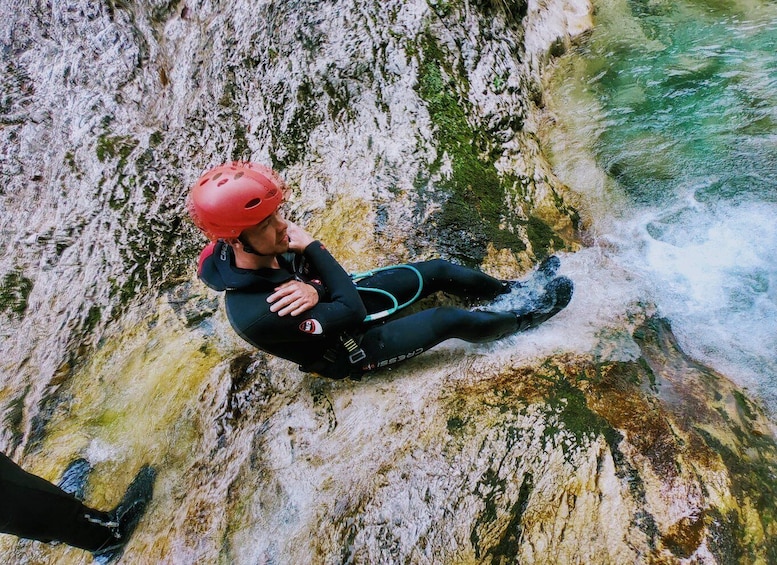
393, 360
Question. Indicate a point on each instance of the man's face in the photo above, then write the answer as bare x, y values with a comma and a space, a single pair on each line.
269, 236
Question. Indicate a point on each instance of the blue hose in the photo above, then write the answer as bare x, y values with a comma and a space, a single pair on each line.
396, 305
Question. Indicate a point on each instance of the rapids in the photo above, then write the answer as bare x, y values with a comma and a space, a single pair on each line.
667, 125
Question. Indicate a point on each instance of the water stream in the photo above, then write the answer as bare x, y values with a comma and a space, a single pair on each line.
668, 126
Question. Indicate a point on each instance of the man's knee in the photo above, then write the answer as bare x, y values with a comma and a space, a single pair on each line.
443, 318
435, 269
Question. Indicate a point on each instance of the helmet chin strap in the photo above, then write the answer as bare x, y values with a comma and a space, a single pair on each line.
248, 249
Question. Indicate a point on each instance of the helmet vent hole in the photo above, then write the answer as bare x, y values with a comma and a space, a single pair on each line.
222, 182
253, 203
215, 177
238, 175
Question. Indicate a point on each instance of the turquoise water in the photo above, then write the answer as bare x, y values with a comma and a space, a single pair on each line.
707, 103
675, 106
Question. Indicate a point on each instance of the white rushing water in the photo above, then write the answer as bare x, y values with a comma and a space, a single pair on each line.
668, 129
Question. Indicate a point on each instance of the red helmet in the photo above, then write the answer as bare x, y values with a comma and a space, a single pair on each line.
234, 196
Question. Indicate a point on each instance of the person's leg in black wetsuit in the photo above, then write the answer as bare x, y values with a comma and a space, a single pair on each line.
438, 276
33, 508
399, 339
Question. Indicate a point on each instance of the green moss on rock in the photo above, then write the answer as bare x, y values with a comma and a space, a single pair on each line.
542, 237
15, 289
290, 144
14, 419
473, 212
115, 146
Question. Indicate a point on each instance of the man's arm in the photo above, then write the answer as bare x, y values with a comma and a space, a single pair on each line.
296, 297
343, 310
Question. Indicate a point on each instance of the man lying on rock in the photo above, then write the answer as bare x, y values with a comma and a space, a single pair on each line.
286, 295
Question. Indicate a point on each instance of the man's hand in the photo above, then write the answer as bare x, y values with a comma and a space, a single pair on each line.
299, 239
293, 297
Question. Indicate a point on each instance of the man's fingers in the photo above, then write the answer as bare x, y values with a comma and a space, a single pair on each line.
292, 297
281, 291
294, 308
283, 302
300, 308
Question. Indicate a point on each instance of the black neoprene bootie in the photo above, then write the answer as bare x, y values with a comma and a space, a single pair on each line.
126, 516
543, 273
557, 295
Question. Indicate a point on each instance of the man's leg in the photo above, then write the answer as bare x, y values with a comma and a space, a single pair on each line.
437, 275
443, 276
33, 508
406, 337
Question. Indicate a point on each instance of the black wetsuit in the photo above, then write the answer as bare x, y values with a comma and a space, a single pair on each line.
313, 339
33, 508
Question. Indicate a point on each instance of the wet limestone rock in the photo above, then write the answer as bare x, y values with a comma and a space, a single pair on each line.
657, 460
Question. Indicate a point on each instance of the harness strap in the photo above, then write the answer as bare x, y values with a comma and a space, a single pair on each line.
355, 353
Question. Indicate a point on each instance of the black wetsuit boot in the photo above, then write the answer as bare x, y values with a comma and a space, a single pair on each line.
541, 275
33, 508
125, 517
555, 298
